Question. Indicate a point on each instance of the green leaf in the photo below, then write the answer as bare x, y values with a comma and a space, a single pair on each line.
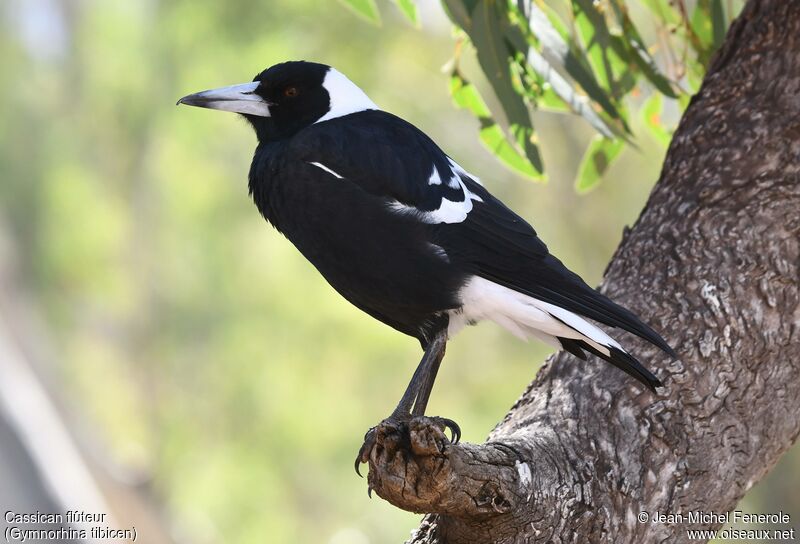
487, 26
554, 45
459, 11
556, 21
683, 102
701, 23
495, 141
638, 52
663, 10
708, 26
366, 9
409, 9
607, 59
651, 118
466, 96
718, 22
598, 157
577, 103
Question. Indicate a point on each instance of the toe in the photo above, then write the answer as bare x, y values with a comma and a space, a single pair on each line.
365, 450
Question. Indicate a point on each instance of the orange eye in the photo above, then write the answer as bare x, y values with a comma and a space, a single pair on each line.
290, 92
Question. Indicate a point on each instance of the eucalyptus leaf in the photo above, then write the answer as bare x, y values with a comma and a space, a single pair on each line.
663, 10
639, 53
466, 96
579, 104
495, 141
409, 9
608, 60
366, 9
555, 48
718, 22
701, 23
651, 118
487, 25
600, 154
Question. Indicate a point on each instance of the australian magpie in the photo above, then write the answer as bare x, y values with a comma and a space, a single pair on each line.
405, 233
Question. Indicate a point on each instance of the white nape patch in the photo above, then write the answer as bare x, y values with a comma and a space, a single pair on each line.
523, 316
345, 96
448, 211
525, 476
328, 170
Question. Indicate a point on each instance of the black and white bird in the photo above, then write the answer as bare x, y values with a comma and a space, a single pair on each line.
405, 233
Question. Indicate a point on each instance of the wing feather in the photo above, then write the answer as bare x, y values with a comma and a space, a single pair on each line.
498, 245
390, 158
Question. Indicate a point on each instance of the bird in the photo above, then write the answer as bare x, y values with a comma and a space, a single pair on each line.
406, 234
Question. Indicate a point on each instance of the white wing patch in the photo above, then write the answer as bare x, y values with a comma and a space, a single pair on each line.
523, 316
345, 96
458, 171
435, 179
328, 170
449, 211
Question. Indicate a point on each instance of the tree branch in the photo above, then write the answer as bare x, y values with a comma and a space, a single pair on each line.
713, 262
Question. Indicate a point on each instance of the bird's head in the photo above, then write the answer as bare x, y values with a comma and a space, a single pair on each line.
287, 97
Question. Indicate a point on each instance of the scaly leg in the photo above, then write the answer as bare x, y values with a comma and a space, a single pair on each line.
415, 399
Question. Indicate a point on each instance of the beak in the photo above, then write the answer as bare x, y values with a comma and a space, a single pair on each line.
236, 98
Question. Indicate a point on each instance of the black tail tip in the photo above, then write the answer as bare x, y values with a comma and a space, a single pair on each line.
631, 366
654, 384
669, 351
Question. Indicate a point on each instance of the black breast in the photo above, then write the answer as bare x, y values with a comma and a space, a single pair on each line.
379, 260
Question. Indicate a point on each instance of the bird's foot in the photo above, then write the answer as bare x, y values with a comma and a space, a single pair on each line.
408, 435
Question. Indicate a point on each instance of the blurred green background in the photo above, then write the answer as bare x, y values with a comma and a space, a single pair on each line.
208, 361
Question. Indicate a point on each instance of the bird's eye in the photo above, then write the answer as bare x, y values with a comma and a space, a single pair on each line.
290, 92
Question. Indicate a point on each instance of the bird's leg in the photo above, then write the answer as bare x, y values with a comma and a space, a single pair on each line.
415, 399
425, 372
424, 392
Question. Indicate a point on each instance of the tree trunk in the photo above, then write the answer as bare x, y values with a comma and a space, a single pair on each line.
713, 263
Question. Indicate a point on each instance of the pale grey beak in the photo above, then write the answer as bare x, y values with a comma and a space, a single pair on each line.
236, 98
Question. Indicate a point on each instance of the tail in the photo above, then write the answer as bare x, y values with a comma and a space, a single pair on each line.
617, 357
526, 316
575, 296
597, 342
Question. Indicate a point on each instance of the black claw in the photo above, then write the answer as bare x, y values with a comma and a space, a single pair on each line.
456, 430
358, 466
364, 450
369, 440
452, 426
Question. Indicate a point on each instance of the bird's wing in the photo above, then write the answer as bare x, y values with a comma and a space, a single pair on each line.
390, 158
500, 246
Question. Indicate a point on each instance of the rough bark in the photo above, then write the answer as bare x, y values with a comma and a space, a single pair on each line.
713, 262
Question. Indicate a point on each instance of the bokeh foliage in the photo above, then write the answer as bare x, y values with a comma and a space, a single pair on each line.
602, 60
213, 364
